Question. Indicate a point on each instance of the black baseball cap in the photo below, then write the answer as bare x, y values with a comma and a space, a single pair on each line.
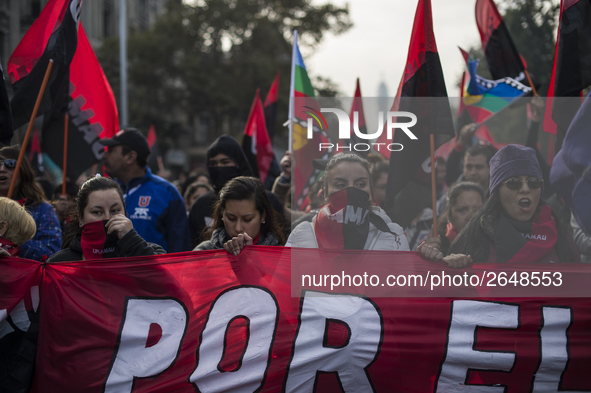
130, 137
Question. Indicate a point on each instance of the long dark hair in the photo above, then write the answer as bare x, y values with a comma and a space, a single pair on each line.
450, 200
91, 185
474, 239
28, 188
244, 187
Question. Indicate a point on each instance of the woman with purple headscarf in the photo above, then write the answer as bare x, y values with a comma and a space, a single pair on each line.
514, 225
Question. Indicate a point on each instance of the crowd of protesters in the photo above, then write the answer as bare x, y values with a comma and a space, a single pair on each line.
490, 207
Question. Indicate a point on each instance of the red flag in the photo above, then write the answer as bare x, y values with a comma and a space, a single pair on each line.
270, 106
51, 36
92, 111
423, 77
356, 107
500, 51
35, 146
155, 160
571, 72
152, 136
256, 143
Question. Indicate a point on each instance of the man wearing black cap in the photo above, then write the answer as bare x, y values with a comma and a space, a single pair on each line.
153, 204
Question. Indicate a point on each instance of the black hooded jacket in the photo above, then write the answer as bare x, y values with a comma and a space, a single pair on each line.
201, 213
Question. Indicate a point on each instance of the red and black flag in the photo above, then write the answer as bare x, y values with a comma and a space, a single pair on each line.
89, 101
572, 64
257, 145
270, 107
51, 36
5, 113
422, 92
501, 54
356, 107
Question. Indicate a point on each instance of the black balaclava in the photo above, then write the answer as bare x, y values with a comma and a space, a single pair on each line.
227, 145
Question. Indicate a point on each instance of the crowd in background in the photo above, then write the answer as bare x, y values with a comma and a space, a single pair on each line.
491, 207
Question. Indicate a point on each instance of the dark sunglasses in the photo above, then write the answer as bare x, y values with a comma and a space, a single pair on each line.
515, 184
8, 164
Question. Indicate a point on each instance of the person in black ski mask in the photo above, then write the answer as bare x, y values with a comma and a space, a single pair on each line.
225, 161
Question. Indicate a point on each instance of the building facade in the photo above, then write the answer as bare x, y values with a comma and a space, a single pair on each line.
99, 17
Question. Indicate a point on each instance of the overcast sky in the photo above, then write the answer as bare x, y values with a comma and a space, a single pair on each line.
375, 48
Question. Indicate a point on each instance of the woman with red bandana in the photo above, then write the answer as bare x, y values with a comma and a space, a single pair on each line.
514, 225
99, 228
348, 220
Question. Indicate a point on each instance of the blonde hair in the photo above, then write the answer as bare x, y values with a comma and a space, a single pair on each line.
21, 226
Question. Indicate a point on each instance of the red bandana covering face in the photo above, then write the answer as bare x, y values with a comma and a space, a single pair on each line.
529, 241
9, 246
96, 243
450, 232
344, 222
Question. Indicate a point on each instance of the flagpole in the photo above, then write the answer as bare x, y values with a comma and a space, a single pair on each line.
123, 61
433, 182
67, 119
160, 164
533, 88
30, 128
292, 89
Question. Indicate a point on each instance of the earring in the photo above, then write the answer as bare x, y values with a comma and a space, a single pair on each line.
263, 221
80, 225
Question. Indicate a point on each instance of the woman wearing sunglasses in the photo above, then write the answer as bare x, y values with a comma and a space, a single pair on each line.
514, 225
48, 237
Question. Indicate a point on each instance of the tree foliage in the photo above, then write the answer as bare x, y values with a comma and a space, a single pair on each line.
201, 64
